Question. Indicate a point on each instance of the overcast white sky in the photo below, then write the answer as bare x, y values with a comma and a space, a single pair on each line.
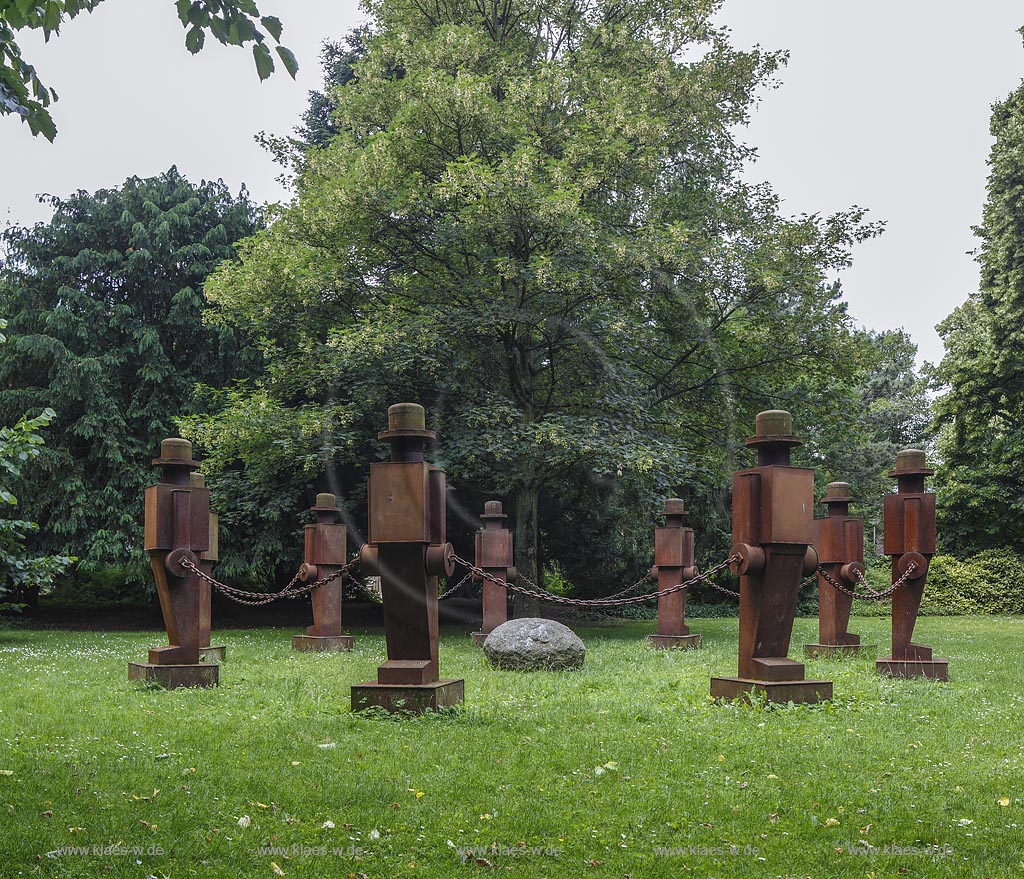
885, 104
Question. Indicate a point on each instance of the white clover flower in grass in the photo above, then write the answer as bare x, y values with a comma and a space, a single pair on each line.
244, 821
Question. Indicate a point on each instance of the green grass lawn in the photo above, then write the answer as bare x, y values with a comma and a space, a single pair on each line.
624, 768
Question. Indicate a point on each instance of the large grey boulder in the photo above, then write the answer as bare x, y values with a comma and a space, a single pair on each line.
530, 644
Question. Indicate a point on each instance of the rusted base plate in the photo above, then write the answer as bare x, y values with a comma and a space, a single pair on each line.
838, 650
936, 669
674, 642
213, 654
478, 638
323, 643
798, 692
171, 677
410, 698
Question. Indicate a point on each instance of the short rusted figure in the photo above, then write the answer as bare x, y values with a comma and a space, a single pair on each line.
673, 564
207, 561
408, 550
325, 549
494, 555
772, 530
839, 540
177, 528
910, 538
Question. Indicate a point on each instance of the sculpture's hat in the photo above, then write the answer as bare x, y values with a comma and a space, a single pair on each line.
325, 503
911, 462
674, 506
837, 493
774, 426
407, 420
493, 510
176, 452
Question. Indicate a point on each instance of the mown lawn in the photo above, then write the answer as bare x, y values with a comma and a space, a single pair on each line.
623, 769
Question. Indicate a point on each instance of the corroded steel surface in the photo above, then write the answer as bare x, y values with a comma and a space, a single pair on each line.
673, 564
839, 541
772, 531
325, 552
408, 550
494, 555
177, 527
910, 537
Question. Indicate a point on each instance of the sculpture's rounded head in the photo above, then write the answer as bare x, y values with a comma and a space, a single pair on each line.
176, 452
911, 462
493, 510
326, 502
774, 426
407, 419
674, 506
197, 480
837, 493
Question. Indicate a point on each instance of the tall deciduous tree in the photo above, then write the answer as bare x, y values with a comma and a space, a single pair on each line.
106, 309
531, 219
231, 22
980, 412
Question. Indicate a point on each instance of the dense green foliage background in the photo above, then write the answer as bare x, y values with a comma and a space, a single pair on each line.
532, 220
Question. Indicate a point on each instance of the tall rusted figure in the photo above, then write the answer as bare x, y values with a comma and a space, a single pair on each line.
207, 561
407, 549
673, 564
324, 554
910, 538
772, 528
494, 555
177, 528
839, 540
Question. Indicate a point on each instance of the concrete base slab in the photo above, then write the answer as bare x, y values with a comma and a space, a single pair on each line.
798, 692
834, 651
323, 643
674, 642
213, 654
936, 669
408, 698
172, 677
478, 638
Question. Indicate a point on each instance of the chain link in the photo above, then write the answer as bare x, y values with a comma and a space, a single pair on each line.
258, 599
543, 595
449, 592
872, 594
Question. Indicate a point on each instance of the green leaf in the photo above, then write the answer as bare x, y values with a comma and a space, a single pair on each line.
273, 26
264, 63
248, 7
183, 7
51, 18
25, 5
288, 60
194, 39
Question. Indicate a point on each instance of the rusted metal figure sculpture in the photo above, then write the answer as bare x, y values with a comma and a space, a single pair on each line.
673, 564
325, 550
494, 555
207, 561
177, 528
407, 549
772, 529
839, 540
910, 539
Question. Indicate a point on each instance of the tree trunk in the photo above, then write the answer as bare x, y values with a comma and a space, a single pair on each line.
526, 548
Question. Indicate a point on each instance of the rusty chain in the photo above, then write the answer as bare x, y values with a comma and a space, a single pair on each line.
594, 602
449, 592
258, 599
646, 578
873, 595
